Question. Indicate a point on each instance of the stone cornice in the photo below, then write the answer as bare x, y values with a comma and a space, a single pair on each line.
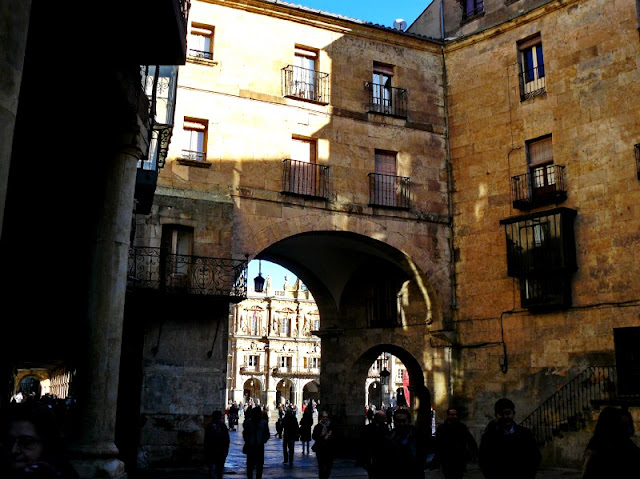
332, 23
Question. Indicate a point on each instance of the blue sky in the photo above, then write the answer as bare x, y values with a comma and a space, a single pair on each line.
276, 272
382, 12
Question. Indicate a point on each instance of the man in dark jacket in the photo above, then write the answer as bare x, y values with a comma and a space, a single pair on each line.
216, 445
290, 434
508, 450
405, 449
454, 446
372, 443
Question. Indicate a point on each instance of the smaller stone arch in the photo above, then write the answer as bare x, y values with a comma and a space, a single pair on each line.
285, 391
253, 390
311, 391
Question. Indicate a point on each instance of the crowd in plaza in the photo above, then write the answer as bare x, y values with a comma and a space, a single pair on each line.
32, 445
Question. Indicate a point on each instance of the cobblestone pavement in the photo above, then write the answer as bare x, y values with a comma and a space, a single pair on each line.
305, 466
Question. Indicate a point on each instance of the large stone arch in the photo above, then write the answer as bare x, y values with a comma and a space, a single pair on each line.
342, 268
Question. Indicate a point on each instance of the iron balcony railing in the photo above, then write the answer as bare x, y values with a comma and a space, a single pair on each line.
305, 179
388, 191
207, 55
541, 186
305, 84
295, 371
568, 408
532, 82
194, 155
155, 269
471, 8
387, 100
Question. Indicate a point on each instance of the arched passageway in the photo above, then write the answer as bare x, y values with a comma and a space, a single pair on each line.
372, 298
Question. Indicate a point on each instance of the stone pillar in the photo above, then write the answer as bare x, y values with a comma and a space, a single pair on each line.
95, 453
13, 43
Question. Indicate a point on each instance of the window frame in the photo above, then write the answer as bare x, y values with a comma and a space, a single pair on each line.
531, 67
469, 14
199, 127
207, 32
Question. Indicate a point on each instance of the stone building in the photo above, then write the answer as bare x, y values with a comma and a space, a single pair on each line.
321, 148
461, 195
274, 357
544, 127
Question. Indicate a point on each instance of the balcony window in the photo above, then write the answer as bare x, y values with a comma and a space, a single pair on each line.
471, 8
545, 182
386, 189
177, 243
383, 96
301, 174
285, 363
303, 80
195, 140
201, 42
541, 253
253, 362
532, 72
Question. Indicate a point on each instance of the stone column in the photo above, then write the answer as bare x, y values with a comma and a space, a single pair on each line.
95, 453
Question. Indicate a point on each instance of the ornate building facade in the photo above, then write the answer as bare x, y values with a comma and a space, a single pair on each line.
274, 356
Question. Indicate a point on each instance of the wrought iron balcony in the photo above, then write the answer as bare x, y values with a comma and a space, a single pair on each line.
155, 269
387, 100
305, 84
541, 242
541, 186
305, 179
388, 191
291, 372
541, 253
532, 82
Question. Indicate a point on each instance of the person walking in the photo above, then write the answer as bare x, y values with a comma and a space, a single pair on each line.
611, 452
233, 416
306, 423
454, 446
216, 445
290, 434
372, 443
405, 450
508, 450
255, 432
323, 445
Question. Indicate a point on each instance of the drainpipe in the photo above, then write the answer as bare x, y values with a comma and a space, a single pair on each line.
442, 20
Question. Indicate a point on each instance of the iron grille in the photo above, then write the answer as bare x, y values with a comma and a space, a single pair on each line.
154, 268
387, 100
388, 191
305, 84
541, 186
305, 179
532, 82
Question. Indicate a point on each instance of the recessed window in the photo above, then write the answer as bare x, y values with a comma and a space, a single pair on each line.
471, 8
201, 42
532, 71
194, 147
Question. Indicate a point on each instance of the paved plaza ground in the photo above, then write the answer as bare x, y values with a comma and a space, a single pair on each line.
305, 466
